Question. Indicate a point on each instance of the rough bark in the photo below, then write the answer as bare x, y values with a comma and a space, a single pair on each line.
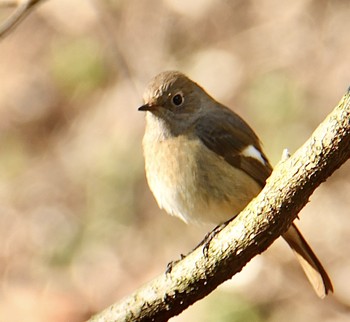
267, 216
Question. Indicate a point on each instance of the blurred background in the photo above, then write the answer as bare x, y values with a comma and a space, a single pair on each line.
79, 228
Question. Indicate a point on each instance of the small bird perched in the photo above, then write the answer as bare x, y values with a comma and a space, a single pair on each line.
205, 164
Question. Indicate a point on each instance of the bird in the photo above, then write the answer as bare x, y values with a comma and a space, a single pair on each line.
204, 163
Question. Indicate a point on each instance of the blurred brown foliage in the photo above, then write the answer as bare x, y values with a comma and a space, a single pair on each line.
79, 228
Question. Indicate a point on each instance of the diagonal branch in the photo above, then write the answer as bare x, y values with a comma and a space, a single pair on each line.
267, 216
24, 7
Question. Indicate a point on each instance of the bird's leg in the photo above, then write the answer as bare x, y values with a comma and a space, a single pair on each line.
209, 237
171, 264
205, 243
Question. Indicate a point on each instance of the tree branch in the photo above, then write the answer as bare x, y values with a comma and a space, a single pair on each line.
266, 217
23, 9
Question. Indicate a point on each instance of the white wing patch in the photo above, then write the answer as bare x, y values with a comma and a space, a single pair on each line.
252, 152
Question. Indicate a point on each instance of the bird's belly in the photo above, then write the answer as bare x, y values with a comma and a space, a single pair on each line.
190, 181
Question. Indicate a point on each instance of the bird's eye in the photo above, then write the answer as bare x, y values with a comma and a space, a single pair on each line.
178, 99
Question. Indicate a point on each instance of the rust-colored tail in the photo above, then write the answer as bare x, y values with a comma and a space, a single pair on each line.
312, 267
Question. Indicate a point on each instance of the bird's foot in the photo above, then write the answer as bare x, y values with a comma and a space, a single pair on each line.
205, 243
172, 264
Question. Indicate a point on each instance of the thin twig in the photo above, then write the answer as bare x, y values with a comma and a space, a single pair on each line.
23, 9
9, 3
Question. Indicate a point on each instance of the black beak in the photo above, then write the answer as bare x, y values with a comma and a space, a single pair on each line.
147, 107
143, 108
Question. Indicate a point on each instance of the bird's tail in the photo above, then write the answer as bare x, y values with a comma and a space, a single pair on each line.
312, 267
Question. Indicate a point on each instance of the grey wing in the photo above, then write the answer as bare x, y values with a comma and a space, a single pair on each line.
228, 135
